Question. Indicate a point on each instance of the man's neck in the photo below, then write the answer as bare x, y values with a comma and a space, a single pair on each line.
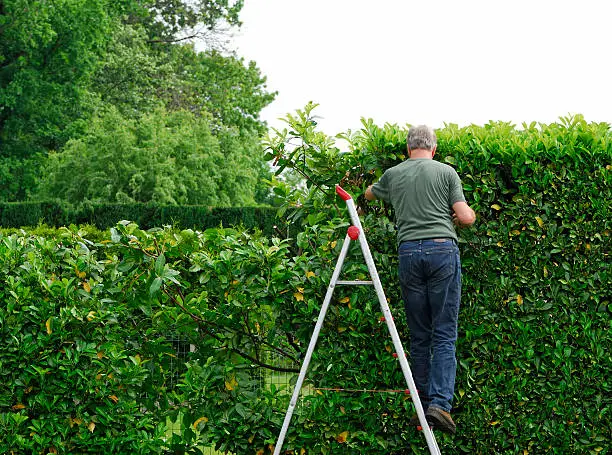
420, 153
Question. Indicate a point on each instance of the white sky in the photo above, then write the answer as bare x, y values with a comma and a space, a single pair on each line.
432, 61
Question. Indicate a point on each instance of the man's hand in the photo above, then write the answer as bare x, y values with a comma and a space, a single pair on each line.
369, 195
456, 221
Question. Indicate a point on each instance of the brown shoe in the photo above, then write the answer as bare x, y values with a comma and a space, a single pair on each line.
441, 420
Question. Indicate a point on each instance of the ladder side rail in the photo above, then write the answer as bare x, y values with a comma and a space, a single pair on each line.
399, 349
311, 346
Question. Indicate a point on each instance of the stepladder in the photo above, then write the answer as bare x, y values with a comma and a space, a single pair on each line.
356, 234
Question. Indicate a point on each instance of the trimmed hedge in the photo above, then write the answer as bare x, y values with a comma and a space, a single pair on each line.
103, 216
535, 345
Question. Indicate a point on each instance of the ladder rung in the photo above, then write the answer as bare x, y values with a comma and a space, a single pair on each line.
356, 282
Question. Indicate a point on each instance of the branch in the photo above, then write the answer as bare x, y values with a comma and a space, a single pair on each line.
201, 323
174, 40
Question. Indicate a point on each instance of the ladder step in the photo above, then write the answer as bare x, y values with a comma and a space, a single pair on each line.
356, 282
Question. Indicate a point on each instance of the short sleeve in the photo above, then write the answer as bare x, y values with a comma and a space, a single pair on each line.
456, 190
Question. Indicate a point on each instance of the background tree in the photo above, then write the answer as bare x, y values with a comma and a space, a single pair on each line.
67, 62
48, 51
164, 157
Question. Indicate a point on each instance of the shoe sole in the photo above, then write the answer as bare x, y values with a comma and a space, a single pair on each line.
440, 423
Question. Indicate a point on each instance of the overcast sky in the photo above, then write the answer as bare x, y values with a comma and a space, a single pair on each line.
432, 61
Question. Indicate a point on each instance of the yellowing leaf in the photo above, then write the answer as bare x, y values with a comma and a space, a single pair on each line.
199, 421
114, 398
75, 421
260, 452
519, 299
540, 221
341, 438
545, 272
48, 325
86, 286
91, 316
310, 274
80, 274
496, 207
299, 295
18, 407
231, 384
496, 422
302, 451
333, 244
100, 355
344, 300
91, 427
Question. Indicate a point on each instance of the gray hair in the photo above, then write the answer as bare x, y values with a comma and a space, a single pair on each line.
421, 137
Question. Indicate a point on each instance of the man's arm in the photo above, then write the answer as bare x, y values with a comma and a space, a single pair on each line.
369, 195
463, 215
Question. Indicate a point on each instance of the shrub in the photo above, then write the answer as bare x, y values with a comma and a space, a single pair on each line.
535, 323
535, 318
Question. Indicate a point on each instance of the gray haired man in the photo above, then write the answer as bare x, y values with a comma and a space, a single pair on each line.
428, 200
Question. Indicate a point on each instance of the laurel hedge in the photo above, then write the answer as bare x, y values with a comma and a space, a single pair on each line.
535, 342
86, 362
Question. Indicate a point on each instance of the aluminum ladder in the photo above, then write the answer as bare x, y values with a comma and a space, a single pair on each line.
355, 232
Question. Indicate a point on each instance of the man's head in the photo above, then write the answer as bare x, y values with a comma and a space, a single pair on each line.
421, 137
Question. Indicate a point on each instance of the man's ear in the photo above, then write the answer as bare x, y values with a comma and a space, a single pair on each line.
433, 152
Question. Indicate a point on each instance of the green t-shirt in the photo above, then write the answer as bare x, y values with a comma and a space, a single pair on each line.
422, 192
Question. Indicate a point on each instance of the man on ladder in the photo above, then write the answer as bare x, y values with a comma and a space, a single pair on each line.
428, 199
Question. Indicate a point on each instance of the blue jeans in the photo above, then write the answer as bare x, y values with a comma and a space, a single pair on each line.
430, 279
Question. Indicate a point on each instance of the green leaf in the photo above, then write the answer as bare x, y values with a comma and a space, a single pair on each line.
155, 286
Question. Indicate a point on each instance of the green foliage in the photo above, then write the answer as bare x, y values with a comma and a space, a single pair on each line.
86, 330
65, 64
48, 51
536, 307
533, 351
164, 158
22, 214
171, 20
227, 87
72, 372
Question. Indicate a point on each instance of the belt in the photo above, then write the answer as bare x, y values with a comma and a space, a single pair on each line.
437, 240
